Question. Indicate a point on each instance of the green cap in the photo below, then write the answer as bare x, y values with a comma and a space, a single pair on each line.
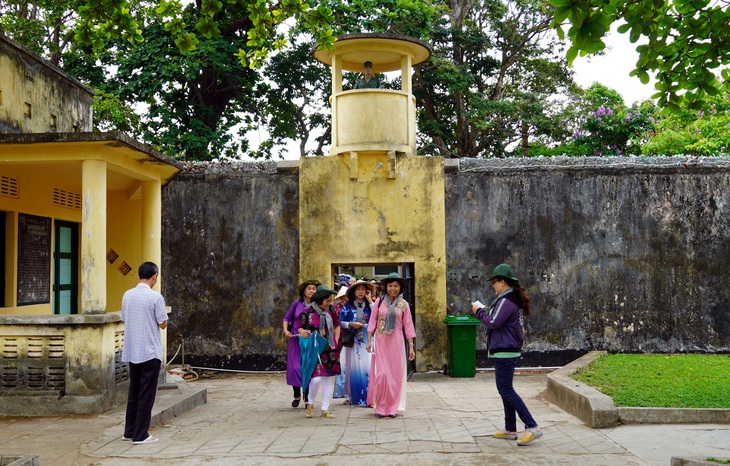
321, 292
504, 271
394, 277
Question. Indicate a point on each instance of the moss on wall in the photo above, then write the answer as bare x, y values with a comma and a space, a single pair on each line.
378, 215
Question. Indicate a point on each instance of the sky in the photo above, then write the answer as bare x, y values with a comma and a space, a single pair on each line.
612, 70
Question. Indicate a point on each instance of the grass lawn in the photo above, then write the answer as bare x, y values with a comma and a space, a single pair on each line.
661, 381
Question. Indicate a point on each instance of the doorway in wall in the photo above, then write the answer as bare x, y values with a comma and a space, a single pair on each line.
378, 272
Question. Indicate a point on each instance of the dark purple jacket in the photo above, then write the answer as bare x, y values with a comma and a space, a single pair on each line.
504, 324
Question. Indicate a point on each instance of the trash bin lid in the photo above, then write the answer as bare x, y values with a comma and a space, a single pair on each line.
461, 320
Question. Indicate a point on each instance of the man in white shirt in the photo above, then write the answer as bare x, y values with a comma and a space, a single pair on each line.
143, 314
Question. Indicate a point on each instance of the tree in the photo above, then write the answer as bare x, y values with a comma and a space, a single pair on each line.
487, 89
191, 104
603, 124
488, 85
295, 100
191, 69
693, 133
43, 26
686, 42
616, 132
103, 20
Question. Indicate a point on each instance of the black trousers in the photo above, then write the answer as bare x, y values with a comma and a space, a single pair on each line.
142, 390
298, 393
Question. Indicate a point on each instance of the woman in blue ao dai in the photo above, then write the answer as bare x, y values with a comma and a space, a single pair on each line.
354, 318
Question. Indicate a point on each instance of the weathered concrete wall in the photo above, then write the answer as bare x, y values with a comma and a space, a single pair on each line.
370, 209
230, 264
623, 254
37, 97
61, 364
626, 254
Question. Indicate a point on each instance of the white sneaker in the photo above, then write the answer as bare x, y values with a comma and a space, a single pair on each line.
149, 439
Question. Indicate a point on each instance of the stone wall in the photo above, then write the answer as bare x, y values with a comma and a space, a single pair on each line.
37, 97
623, 254
230, 259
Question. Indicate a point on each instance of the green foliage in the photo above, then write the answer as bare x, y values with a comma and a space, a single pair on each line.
416, 18
43, 26
102, 21
487, 90
603, 125
571, 149
488, 85
599, 95
704, 132
295, 103
685, 45
112, 114
661, 381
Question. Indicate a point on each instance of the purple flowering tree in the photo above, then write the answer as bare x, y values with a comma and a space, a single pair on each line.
619, 131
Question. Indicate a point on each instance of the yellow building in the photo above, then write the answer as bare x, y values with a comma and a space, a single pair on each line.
79, 211
374, 202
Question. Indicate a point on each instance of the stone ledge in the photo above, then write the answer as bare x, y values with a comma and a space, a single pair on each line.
674, 416
20, 460
598, 410
586, 403
171, 402
694, 461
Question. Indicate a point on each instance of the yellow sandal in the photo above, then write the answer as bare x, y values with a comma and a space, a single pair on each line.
308, 410
328, 415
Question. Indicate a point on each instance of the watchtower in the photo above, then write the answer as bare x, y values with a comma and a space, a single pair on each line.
374, 120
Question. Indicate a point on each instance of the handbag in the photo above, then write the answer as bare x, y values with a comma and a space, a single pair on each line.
348, 338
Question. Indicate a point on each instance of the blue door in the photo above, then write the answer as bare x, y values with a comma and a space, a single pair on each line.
66, 264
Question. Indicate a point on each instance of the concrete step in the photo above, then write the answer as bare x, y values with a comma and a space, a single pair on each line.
175, 397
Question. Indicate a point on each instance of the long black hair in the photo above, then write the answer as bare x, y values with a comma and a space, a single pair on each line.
521, 295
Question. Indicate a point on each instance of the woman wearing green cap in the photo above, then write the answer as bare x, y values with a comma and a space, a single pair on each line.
389, 320
505, 336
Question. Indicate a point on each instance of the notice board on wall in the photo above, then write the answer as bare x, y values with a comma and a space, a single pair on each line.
34, 259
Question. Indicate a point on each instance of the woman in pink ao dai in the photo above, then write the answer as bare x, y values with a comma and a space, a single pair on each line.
388, 322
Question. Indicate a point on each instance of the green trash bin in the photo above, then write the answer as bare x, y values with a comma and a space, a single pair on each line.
462, 332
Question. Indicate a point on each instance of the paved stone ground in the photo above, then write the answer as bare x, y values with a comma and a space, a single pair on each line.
248, 420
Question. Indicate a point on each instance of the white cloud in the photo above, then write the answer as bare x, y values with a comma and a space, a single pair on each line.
613, 68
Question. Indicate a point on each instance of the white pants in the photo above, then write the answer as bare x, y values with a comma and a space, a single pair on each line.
327, 389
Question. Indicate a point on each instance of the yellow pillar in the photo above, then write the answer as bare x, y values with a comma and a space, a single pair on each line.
336, 90
336, 75
406, 63
93, 237
152, 225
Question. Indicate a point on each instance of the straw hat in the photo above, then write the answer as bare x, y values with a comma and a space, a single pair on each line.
351, 290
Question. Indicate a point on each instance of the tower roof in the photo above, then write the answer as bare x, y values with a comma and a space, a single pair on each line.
383, 50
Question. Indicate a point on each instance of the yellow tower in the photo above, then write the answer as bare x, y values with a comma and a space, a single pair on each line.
374, 119
374, 202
